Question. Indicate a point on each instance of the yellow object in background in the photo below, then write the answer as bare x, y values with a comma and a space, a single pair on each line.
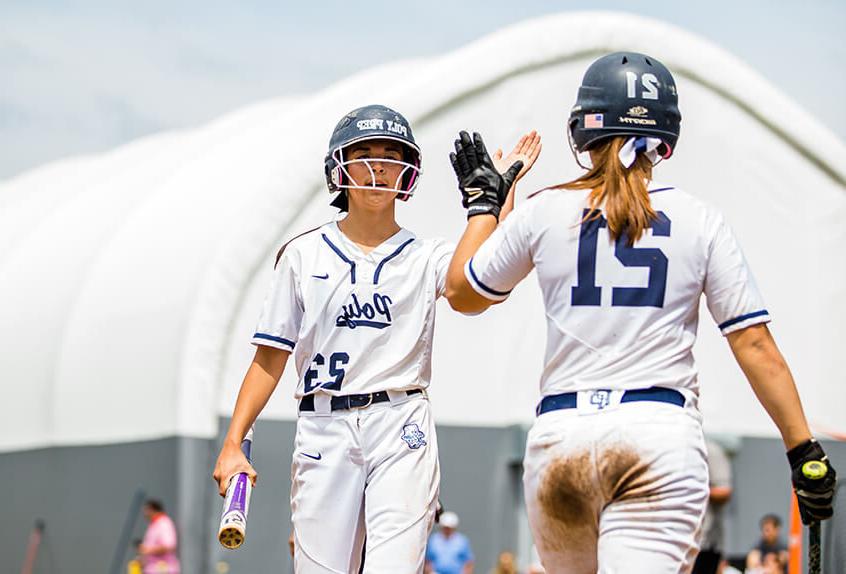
134, 567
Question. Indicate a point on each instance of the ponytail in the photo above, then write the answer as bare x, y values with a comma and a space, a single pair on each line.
621, 191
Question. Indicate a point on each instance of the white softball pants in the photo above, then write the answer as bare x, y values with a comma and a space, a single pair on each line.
364, 480
616, 492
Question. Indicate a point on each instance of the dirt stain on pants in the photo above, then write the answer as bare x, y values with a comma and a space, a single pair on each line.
574, 490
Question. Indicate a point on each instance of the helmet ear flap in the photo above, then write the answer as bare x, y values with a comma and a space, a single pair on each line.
333, 172
335, 181
409, 179
337, 177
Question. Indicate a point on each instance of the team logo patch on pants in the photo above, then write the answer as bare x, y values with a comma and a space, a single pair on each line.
600, 399
413, 436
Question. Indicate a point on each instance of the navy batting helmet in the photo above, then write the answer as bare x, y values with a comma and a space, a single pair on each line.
626, 93
371, 122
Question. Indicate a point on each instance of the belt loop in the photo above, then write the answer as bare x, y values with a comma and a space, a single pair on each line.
400, 397
397, 397
322, 404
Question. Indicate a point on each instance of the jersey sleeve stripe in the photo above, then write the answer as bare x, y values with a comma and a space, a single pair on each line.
340, 254
388, 258
736, 320
280, 340
480, 287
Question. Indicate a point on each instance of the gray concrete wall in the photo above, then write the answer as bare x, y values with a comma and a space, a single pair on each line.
84, 493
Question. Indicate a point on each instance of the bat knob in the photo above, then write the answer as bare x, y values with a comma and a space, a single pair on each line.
814, 470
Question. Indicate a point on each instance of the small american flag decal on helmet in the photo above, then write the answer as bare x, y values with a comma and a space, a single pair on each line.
593, 121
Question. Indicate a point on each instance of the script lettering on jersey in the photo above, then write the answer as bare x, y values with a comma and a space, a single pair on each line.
376, 314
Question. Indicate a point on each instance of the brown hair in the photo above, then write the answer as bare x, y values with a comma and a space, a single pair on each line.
620, 190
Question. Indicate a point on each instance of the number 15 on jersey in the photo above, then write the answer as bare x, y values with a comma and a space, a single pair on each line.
588, 293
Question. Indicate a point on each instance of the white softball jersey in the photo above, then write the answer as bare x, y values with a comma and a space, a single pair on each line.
620, 317
355, 322
359, 323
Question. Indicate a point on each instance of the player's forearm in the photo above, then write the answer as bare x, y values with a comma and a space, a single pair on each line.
768, 374
508, 206
459, 293
259, 383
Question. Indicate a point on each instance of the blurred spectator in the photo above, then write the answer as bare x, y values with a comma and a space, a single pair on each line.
711, 544
158, 548
449, 551
505, 564
769, 556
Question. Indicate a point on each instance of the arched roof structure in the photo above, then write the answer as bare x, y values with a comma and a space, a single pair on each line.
130, 281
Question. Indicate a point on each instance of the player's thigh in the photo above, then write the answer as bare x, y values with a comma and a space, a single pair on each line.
652, 524
305, 563
402, 489
404, 552
327, 491
563, 499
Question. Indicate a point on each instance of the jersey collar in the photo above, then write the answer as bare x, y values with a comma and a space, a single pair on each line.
353, 251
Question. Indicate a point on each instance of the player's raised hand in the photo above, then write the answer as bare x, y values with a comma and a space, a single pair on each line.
527, 150
230, 462
483, 188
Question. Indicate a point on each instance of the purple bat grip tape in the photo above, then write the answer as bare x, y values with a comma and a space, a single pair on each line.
239, 496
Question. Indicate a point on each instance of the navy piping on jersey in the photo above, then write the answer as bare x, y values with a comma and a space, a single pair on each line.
659, 189
482, 285
272, 338
342, 256
388, 258
736, 320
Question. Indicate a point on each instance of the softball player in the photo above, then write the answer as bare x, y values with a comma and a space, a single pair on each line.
354, 302
615, 477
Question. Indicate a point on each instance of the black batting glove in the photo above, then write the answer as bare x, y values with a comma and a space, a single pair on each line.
483, 188
813, 480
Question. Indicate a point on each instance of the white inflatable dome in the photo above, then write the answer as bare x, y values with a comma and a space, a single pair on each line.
131, 281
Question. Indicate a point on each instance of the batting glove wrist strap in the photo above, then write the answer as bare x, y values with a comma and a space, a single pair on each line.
481, 192
483, 188
813, 479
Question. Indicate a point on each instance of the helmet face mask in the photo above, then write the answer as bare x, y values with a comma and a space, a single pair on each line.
371, 123
625, 94
340, 176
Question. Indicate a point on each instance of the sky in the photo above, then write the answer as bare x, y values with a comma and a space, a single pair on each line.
81, 77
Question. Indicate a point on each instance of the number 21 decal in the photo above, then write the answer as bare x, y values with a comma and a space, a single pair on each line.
587, 293
650, 86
